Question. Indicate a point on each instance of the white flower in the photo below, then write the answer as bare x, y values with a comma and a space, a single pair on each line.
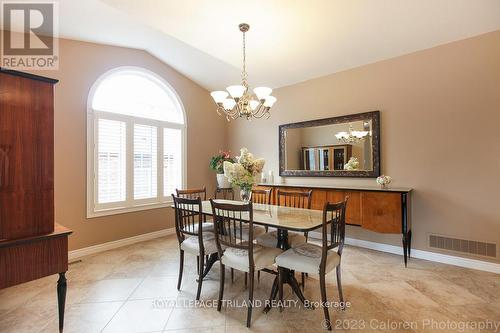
246, 171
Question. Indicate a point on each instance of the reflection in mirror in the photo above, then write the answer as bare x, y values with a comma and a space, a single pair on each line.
344, 146
335, 147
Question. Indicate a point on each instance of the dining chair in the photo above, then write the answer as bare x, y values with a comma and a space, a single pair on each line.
295, 199
224, 193
192, 238
322, 259
239, 253
193, 193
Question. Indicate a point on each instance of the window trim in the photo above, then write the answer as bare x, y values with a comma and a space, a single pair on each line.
130, 205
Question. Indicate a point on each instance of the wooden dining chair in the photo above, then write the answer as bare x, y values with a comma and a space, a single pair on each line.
236, 251
289, 198
191, 236
322, 259
224, 193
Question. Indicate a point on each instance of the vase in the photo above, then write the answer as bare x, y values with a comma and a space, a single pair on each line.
245, 194
222, 181
384, 186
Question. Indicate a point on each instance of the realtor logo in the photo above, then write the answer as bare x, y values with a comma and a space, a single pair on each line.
29, 35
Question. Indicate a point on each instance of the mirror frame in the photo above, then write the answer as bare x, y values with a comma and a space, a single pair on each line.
374, 116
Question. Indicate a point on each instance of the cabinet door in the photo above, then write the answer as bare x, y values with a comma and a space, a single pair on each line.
26, 157
353, 210
381, 212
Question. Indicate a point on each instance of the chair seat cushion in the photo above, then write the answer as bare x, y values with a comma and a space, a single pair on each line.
270, 239
238, 258
191, 244
307, 258
205, 226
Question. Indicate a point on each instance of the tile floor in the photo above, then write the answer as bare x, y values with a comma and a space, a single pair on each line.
133, 289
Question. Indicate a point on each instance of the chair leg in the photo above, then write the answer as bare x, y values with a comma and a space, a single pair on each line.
200, 276
322, 284
198, 265
339, 286
258, 276
280, 288
181, 269
250, 298
221, 285
232, 275
246, 278
303, 276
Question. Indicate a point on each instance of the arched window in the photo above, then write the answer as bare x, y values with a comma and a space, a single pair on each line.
136, 142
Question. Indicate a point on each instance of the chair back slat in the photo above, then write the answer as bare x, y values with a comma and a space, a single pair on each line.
192, 193
188, 217
296, 199
230, 220
224, 193
333, 228
262, 196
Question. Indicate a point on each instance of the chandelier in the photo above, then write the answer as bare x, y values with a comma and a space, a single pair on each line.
237, 101
352, 136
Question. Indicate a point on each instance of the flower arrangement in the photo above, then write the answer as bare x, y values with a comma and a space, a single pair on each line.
352, 164
245, 172
384, 181
217, 161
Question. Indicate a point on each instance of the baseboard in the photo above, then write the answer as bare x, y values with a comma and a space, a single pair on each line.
420, 254
76, 254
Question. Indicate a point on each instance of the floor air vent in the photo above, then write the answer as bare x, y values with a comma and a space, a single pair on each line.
463, 245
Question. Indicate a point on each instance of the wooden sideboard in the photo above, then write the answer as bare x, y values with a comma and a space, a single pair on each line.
32, 246
379, 210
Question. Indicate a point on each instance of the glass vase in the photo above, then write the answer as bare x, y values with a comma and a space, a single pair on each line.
246, 194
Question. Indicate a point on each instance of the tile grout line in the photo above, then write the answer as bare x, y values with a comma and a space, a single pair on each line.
124, 302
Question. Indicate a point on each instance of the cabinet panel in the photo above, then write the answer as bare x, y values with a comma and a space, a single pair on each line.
353, 211
381, 212
26, 157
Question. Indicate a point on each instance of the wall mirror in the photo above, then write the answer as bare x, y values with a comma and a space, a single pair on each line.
345, 146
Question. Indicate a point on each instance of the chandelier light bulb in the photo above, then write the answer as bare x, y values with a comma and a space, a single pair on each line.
219, 96
236, 91
262, 92
270, 100
229, 103
254, 104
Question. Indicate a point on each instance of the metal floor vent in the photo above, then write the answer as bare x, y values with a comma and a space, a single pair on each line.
463, 245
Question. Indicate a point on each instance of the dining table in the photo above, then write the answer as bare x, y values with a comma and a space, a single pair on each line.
284, 220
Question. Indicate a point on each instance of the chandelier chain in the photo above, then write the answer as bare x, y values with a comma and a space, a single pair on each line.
244, 75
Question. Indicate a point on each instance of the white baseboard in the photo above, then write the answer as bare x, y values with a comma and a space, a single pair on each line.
75, 254
420, 254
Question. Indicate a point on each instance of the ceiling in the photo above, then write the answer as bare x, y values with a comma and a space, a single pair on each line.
288, 42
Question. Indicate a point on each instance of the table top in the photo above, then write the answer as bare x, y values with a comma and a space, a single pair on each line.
342, 187
296, 219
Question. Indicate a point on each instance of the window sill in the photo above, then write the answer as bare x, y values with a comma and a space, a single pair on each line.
121, 210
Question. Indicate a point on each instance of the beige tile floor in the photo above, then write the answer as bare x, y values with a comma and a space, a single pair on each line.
133, 289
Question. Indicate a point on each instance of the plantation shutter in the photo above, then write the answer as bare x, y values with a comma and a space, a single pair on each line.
172, 173
111, 166
145, 162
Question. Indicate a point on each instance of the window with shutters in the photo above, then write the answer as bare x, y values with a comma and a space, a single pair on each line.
136, 142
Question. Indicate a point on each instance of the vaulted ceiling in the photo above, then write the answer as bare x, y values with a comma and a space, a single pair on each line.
288, 42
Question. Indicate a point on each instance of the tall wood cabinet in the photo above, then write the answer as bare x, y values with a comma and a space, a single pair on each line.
32, 246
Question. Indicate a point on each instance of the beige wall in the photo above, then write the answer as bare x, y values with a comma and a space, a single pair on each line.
440, 132
80, 65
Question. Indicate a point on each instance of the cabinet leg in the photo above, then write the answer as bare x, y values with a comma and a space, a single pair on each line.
61, 298
409, 243
405, 249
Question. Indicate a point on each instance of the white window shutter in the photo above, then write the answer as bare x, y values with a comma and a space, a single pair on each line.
172, 160
145, 162
111, 164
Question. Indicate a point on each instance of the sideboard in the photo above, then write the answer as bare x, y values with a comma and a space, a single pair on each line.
375, 209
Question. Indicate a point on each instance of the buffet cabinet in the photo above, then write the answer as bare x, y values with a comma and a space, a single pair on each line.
32, 245
378, 210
